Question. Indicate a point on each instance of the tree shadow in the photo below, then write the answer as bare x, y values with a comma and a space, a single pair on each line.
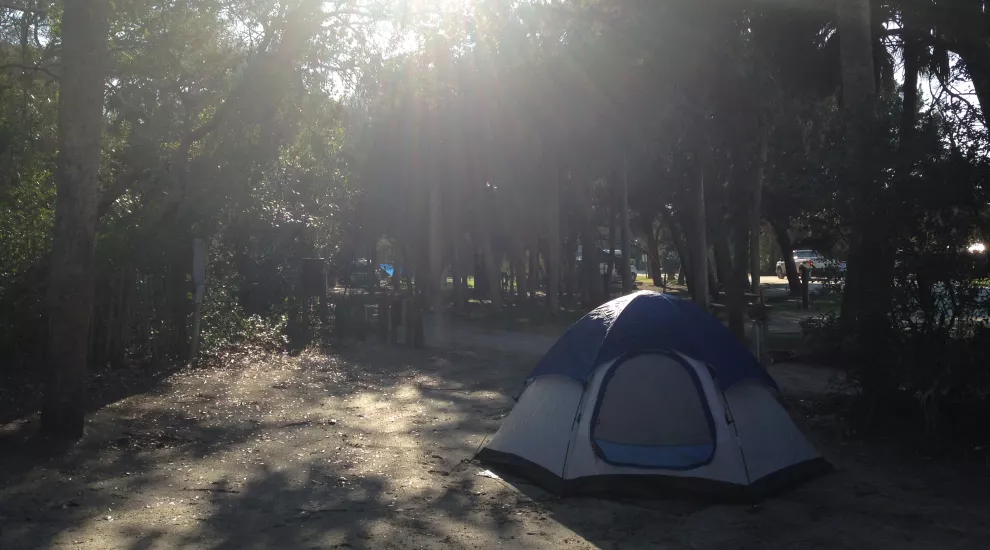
373, 448
20, 396
300, 453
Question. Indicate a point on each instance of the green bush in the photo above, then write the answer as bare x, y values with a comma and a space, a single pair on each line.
822, 337
225, 329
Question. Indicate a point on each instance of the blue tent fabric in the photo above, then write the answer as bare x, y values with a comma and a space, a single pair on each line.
646, 321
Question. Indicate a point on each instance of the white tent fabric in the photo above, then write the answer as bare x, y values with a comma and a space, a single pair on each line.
649, 422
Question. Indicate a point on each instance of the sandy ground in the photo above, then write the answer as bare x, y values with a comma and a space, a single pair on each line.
372, 448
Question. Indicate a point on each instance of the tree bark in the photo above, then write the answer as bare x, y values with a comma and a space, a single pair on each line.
869, 281
534, 268
697, 240
653, 251
519, 258
457, 272
978, 63
553, 244
755, 214
723, 258
569, 263
787, 251
975, 53
737, 284
590, 272
435, 286
712, 282
681, 247
624, 268
914, 49
71, 284
493, 273
610, 266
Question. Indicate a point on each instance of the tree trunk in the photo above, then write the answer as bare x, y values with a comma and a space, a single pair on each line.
653, 252
610, 266
736, 285
755, 211
723, 258
72, 278
712, 283
435, 287
534, 267
868, 291
522, 292
553, 244
570, 266
179, 288
457, 273
624, 271
975, 53
859, 94
914, 50
397, 271
591, 274
493, 273
512, 281
787, 251
680, 246
697, 240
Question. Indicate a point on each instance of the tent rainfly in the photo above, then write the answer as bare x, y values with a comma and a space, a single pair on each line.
649, 395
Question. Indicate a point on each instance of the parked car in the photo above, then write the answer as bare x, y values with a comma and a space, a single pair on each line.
812, 260
617, 273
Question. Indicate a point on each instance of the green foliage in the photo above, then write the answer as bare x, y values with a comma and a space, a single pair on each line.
278, 131
227, 330
823, 336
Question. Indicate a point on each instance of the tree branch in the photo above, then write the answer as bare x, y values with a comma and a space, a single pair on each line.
33, 68
300, 26
17, 7
121, 185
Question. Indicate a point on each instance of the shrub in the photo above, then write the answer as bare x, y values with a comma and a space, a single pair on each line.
226, 329
822, 337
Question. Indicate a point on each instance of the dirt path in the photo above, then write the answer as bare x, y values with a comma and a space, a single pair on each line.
373, 448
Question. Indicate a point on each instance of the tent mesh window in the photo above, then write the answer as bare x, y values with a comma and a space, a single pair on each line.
652, 413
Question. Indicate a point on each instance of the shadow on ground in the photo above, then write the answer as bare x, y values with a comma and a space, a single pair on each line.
370, 448
373, 448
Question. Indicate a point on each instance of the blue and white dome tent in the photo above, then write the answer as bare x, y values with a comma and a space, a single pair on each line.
648, 394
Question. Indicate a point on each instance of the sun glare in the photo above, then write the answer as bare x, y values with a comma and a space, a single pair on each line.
416, 18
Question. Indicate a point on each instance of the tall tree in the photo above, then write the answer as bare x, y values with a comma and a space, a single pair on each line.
869, 277
624, 269
80, 123
553, 239
697, 239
